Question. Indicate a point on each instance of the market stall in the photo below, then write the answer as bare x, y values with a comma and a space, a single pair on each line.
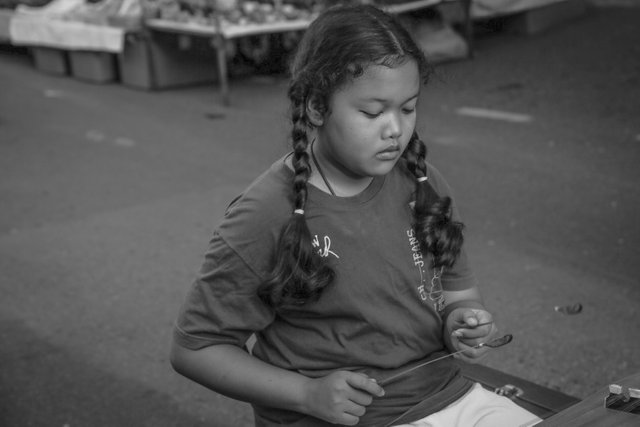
154, 44
244, 19
76, 34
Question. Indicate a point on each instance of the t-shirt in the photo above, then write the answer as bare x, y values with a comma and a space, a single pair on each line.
378, 316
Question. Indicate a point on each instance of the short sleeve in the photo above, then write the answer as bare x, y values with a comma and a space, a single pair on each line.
222, 306
460, 276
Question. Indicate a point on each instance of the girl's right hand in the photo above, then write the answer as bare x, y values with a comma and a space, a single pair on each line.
464, 334
341, 397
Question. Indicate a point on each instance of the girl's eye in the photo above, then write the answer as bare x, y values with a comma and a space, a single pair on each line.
409, 110
370, 115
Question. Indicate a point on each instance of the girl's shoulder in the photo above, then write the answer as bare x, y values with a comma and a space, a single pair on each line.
255, 216
438, 181
267, 198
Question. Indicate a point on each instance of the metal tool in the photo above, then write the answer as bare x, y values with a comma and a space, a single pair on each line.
494, 343
569, 309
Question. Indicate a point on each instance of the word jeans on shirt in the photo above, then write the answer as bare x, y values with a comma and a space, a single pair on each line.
434, 293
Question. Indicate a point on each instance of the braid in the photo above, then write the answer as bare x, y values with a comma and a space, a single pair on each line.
299, 274
300, 158
437, 233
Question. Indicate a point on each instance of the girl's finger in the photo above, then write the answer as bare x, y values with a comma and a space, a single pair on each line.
361, 398
465, 333
471, 353
364, 383
473, 333
349, 420
355, 409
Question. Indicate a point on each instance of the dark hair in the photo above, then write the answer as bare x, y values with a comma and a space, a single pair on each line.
336, 48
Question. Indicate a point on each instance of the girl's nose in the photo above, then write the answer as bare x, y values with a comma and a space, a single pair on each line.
393, 128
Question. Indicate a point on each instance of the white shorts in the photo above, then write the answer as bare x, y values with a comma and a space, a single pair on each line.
479, 408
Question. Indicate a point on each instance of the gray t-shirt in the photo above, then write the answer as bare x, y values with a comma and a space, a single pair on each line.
377, 317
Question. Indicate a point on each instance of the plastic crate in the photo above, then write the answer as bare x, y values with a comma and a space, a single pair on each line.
158, 60
135, 64
50, 60
96, 67
180, 60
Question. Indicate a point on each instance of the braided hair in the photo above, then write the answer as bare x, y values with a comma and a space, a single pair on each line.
336, 48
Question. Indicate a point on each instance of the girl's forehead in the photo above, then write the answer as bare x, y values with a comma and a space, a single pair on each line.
384, 82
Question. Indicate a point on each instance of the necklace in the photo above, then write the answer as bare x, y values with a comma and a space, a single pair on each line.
324, 178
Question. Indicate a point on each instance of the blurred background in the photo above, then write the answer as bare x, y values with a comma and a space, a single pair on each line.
123, 139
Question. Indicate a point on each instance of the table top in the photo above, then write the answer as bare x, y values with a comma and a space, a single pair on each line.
592, 411
230, 31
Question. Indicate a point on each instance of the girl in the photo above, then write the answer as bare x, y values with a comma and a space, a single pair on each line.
345, 258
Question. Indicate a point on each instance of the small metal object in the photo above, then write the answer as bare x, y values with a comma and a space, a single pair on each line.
510, 391
496, 342
569, 309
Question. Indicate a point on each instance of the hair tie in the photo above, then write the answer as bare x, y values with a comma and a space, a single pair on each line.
422, 179
299, 211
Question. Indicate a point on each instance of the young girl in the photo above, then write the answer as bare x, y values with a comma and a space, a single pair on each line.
345, 258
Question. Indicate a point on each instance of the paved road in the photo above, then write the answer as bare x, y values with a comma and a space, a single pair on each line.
108, 196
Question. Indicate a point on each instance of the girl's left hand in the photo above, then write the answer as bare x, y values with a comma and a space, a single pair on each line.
463, 333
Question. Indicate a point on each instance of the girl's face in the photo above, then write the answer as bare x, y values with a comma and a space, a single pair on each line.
369, 122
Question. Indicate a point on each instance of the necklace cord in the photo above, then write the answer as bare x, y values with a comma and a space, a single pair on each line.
324, 178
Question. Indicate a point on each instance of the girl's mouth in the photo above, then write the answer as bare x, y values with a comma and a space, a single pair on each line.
390, 153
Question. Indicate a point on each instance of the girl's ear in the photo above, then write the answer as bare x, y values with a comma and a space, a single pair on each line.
313, 113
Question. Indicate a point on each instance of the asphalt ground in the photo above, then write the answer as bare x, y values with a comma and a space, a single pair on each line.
108, 196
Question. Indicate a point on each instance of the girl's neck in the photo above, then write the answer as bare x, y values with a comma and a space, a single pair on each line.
331, 180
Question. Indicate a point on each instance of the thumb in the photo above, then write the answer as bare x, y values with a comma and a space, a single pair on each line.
469, 318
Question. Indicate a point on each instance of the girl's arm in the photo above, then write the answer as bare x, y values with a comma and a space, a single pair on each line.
340, 397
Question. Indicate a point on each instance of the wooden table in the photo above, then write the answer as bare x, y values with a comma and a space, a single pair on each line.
220, 34
592, 411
